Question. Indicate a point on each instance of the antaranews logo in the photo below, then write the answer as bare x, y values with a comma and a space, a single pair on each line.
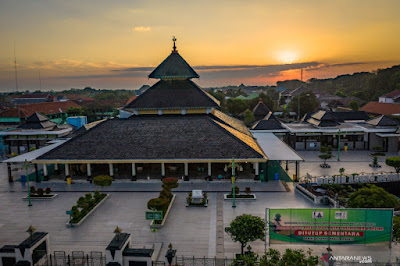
359, 259
325, 258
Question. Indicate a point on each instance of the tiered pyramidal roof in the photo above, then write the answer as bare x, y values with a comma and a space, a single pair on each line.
175, 90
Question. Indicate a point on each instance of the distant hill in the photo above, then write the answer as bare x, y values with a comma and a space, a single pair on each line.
367, 86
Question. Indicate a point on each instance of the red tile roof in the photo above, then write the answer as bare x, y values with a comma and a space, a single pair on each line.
26, 110
393, 94
14, 112
381, 108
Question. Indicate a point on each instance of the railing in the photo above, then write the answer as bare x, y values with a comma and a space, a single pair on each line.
192, 261
78, 258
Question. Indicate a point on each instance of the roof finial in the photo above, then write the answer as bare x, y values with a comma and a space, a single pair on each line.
174, 40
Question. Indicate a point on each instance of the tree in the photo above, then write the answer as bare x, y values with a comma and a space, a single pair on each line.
290, 257
74, 111
396, 228
236, 106
308, 103
354, 105
246, 228
340, 94
248, 117
372, 197
394, 162
325, 157
103, 181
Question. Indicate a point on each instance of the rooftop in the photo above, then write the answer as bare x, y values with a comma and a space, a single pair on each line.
174, 67
174, 94
382, 108
170, 137
47, 108
394, 94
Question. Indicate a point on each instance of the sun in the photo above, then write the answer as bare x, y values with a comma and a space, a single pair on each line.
287, 57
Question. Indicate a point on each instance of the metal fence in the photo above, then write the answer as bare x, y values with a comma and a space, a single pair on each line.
192, 261
78, 258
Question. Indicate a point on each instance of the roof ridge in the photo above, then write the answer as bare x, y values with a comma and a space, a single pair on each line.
224, 127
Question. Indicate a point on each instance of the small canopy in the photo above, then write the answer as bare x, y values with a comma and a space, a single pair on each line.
30, 156
274, 148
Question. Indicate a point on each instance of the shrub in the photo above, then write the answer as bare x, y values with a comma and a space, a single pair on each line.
103, 180
40, 191
237, 190
13, 154
48, 191
97, 195
160, 204
171, 182
32, 190
166, 194
248, 190
88, 196
32, 149
82, 202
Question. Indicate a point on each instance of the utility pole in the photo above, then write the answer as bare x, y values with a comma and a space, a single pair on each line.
15, 67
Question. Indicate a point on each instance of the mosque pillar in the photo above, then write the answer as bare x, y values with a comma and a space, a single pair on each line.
209, 171
133, 172
257, 172
162, 170
186, 177
111, 168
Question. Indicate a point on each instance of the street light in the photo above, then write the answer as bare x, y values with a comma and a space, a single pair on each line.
26, 165
338, 151
233, 182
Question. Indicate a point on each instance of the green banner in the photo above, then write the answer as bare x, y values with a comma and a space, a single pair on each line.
335, 226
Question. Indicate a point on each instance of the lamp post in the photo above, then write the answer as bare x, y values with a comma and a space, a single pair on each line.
26, 165
338, 151
233, 184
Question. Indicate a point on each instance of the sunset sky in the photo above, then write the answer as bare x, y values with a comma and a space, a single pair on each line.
115, 44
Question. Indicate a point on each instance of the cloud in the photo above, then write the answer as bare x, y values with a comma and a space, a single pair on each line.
142, 28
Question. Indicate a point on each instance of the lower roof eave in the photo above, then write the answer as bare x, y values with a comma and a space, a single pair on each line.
99, 161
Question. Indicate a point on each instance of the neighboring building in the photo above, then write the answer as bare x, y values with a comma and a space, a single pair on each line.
32, 98
35, 132
289, 94
391, 97
78, 99
55, 111
355, 130
175, 129
249, 97
377, 108
260, 110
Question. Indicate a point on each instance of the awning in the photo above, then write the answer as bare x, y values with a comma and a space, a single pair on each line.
29, 156
386, 135
276, 149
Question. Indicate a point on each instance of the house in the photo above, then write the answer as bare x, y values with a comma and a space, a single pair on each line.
142, 89
55, 111
391, 97
353, 130
32, 98
289, 94
379, 108
35, 132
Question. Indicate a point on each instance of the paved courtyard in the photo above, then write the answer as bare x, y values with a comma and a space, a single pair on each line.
351, 161
194, 231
